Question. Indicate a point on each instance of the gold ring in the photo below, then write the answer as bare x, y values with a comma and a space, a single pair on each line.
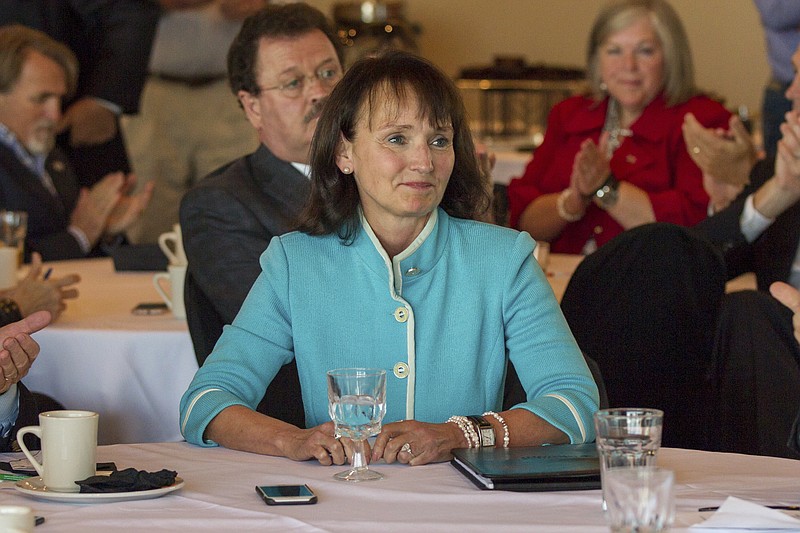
695, 150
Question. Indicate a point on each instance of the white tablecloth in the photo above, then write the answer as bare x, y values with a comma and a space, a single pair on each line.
130, 369
219, 495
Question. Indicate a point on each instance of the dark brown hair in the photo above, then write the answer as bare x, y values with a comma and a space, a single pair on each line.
334, 200
273, 21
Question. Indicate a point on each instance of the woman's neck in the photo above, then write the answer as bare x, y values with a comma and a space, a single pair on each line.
396, 237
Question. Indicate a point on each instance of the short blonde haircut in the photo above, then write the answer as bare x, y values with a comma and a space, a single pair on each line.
17, 41
679, 70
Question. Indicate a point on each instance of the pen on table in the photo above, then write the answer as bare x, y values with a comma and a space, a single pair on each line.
47, 273
779, 507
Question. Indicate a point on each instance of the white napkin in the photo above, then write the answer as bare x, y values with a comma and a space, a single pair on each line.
737, 515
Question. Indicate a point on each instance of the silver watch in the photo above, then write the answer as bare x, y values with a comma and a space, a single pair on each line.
608, 193
485, 430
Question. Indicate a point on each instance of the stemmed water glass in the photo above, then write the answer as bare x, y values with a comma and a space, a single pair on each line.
357, 404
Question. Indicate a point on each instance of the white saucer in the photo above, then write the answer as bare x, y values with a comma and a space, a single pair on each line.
34, 486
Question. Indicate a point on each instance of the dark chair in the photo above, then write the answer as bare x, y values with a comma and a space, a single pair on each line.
283, 399
514, 394
645, 307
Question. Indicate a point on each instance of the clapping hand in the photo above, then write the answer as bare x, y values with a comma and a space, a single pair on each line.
727, 155
590, 168
129, 207
107, 208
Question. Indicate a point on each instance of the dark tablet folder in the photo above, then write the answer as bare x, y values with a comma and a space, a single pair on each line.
531, 469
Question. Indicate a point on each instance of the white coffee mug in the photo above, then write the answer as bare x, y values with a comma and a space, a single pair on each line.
69, 446
175, 274
16, 518
171, 243
9, 259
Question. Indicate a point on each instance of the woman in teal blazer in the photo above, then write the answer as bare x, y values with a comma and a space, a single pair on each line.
391, 271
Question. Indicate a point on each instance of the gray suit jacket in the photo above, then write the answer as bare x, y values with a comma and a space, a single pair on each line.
227, 221
229, 218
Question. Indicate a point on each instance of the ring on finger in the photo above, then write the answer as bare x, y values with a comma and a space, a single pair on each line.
407, 448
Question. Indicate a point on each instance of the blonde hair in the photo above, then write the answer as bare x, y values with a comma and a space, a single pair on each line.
17, 41
678, 67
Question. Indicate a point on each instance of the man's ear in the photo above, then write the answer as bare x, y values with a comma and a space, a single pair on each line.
252, 107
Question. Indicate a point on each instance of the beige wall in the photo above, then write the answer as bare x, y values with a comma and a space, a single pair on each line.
726, 37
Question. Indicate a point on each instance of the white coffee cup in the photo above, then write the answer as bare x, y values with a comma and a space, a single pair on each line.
171, 243
16, 518
9, 261
175, 274
69, 446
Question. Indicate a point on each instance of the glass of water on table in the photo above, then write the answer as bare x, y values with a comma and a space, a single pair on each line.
627, 438
357, 405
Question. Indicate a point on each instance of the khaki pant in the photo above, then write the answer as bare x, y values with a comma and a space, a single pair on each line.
180, 135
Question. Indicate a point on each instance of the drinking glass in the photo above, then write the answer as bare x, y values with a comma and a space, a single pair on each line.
627, 438
13, 230
357, 404
640, 499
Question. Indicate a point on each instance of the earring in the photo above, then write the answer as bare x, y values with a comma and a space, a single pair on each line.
603, 86
346, 170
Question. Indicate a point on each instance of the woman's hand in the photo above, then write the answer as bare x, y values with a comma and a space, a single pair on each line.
314, 443
590, 168
428, 443
240, 428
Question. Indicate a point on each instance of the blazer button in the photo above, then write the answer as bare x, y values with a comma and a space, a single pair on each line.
401, 314
400, 370
598, 230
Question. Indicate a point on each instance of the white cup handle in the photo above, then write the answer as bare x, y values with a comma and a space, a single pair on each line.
36, 430
157, 282
163, 241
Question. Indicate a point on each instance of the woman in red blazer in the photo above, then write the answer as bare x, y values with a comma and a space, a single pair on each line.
616, 158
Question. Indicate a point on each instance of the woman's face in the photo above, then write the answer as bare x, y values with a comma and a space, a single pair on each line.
632, 66
401, 163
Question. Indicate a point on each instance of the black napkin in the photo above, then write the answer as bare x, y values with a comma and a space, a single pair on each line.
128, 480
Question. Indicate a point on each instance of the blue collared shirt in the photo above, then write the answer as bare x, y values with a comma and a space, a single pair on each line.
9, 409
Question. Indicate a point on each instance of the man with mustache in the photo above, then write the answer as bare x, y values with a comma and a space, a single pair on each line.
281, 67
64, 220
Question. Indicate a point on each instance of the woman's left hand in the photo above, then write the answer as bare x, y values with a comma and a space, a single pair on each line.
417, 443
590, 168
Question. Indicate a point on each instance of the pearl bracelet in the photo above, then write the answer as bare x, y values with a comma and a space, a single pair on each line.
467, 428
562, 209
506, 439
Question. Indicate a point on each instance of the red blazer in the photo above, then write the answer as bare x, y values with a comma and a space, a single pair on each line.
654, 159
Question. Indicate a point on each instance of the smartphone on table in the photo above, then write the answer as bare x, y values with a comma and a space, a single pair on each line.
150, 308
286, 494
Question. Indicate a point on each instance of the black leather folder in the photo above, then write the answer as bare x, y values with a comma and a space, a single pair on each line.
531, 469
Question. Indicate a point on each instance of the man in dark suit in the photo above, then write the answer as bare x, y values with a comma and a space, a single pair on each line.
756, 356
64, 221
281, 67
112, 40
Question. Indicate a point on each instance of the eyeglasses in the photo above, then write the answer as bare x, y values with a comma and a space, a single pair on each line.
327, 77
